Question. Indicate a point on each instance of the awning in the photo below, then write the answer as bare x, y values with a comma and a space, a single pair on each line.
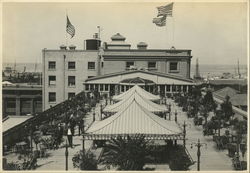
133, 120
140, 91
147, 104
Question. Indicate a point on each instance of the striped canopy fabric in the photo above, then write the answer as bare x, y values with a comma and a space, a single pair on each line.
132, 120
146, 104
140, 91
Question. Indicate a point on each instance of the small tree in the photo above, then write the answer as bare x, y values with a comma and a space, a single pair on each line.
84, 160
126, 154
227, 109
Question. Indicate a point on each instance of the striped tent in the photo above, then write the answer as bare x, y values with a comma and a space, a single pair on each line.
133, 120
140, 91
146, 104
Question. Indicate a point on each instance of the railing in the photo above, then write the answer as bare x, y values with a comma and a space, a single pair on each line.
20, 130
189, 156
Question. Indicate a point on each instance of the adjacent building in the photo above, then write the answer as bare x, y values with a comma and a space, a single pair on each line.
113, 68
21, 99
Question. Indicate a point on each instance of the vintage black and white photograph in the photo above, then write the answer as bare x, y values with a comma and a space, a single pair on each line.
125, 86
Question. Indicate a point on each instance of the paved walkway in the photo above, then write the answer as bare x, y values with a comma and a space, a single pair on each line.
211, 158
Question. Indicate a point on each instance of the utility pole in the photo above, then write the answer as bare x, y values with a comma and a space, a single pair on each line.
198, 145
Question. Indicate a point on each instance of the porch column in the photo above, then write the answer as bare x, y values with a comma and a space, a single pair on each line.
32, 106
182, 88
18, 106
171, 88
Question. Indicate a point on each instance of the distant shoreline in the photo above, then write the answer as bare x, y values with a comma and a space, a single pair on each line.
205, 69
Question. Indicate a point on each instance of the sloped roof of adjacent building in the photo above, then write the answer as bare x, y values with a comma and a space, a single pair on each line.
142, 101
235, 98
12, 121
227, 91
139, 91
239, 100
228, 82
133, 120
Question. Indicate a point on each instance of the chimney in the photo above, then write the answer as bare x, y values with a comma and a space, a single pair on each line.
63, 47
72, 47
142, 46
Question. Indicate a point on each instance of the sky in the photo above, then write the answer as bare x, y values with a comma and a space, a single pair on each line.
215, 32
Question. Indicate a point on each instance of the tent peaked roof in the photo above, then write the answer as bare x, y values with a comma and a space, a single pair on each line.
140, 91
147, 104
131, 121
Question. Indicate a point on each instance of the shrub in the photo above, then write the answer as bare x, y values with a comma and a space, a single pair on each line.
179, 159
84, 161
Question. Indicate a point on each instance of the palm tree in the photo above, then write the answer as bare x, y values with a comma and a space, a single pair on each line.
84, 160
126, 154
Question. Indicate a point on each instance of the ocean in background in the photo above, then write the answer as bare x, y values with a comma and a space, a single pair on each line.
205, 69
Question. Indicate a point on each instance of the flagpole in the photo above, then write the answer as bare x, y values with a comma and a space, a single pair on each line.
173, 24
166, 34
66, 35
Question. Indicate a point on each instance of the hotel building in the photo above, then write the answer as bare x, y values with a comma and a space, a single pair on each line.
112, 69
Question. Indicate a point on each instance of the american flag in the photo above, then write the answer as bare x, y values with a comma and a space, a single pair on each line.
70, 28
160, 21
165, 10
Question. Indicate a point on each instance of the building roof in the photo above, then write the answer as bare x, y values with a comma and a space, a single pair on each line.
118, 36
136, 90
239, 100
12, 121
235, 98
228, 82
142, 71
227, 91
142, 101
146, 53
142, 44
132, 120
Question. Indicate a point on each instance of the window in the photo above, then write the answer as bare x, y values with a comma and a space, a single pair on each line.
179, 88
173, 88
90, 76
52, 80
151, 64
106, 87
52, 97
52, 65
102, 64
91, 87
87, 87
71, 95
71, 80
91, 65
129, 63
122, 88
168, 88
101, 87
184, 88
173, 66
71, 65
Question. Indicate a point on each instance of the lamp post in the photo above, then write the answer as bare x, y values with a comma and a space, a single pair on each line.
198, 145
175, 116
184, 134
66, 156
